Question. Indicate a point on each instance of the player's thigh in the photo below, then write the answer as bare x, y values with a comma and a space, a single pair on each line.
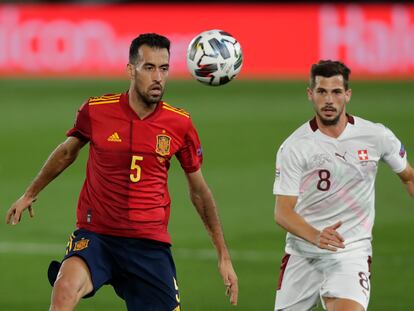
74, 276
308, 304
92, 253
338, 304
299, 283
348, 284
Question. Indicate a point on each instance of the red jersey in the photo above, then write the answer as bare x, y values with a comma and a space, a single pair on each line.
125, 192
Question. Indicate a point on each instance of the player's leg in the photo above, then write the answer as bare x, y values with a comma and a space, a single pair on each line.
299, 283
347, 285
87, 265
303, 305
338, 304
72, 283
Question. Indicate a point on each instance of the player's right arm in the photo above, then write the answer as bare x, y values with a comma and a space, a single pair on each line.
394, 154
407, 177
64, 155
288, 219
289, 172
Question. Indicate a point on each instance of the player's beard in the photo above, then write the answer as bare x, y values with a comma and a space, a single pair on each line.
330, 122
148, 99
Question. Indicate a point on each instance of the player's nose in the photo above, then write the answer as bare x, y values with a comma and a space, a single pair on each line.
157, 75
329, 99
329, 103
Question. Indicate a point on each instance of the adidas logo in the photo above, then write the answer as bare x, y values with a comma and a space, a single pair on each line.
114, 138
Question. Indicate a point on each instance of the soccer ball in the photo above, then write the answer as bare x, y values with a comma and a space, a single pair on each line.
214, 57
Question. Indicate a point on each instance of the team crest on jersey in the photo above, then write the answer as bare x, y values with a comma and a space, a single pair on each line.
319, 160
81, 244
363, 155
163, 145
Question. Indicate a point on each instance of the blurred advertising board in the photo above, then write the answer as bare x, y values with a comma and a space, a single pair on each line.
278, 41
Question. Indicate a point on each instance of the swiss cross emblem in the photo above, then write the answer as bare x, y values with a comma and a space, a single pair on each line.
363, 155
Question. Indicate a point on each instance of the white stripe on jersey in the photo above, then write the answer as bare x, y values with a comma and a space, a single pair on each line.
334, 179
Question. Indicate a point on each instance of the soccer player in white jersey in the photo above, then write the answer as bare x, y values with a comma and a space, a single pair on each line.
324, 187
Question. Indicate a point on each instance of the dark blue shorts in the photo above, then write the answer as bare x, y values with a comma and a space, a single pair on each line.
141, 271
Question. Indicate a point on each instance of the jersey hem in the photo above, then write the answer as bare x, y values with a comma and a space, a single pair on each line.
294, 194
161, 237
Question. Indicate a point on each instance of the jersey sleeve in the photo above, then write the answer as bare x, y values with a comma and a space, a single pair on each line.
82, 127
393, 151
288, 172
190, 154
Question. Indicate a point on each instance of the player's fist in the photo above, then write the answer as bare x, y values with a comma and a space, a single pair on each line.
329, 238
14, 214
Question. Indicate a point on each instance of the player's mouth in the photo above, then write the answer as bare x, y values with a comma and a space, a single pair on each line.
329, 111
155, 90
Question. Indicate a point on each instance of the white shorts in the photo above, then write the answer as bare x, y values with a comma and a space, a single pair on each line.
304, 281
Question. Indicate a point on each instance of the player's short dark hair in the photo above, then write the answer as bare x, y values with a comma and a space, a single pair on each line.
329, 68
152, 40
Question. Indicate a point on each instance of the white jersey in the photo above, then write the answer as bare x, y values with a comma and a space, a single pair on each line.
334, 179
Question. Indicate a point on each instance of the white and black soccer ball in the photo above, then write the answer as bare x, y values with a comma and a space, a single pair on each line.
214, 57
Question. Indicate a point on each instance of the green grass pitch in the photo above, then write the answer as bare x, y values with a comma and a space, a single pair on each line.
241, 126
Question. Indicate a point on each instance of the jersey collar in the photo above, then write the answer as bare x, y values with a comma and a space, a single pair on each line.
131, 115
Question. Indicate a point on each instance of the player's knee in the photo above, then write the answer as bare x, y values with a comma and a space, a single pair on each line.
65, 295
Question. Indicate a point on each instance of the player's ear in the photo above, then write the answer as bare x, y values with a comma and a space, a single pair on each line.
130, 70
309, 91
348, 94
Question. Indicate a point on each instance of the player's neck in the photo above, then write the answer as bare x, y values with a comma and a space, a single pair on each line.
139, 107
333, 130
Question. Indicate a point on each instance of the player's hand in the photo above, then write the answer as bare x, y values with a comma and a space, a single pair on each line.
230, 280
330, 239
14, 214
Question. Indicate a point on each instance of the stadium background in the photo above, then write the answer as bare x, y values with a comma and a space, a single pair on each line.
53, 57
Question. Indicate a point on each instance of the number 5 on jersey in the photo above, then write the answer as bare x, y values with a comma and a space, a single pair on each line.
136, 175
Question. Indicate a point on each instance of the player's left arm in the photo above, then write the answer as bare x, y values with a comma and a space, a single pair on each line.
407, 177
203, 201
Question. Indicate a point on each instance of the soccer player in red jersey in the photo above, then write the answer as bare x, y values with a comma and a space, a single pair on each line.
124, 205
